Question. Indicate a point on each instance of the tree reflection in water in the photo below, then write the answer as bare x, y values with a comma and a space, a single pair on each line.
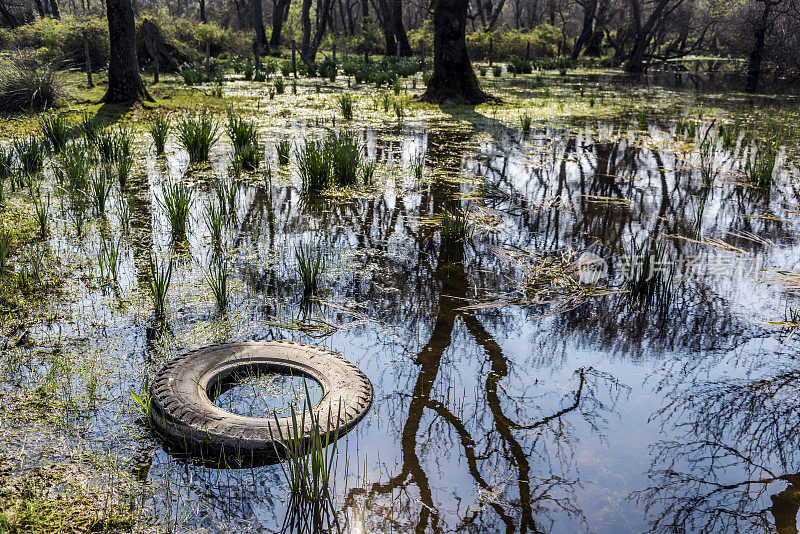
738, 442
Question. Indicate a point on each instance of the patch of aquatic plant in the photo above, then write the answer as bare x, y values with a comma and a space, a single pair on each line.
399, 106
31, 152
241, 132
90, 127
215, 222
280, 85
645, 276
5, 249
417, 166
708, 152
41, 207
346, 101
283, 147
56, 130
217, 280
345, 152
525, 121
74, 167
313, 164
368, 171
455, 225
310, 266
226, 191
177, 202
760, 165
160, 127
197, 135
31, 273
497, 71
100, 189
247, 159
109, 259
158, 281
308, 467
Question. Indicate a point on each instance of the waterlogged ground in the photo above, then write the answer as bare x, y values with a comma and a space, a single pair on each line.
600, 410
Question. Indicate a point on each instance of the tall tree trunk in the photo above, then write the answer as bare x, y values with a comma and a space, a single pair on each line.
54, 9
8, 16
258, 24
589, 10
401, 39
40, 8
124, 82
203, 11
280, 11
310, 44
757, 54
453, 79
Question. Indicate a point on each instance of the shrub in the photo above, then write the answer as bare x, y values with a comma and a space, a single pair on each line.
327, 69
25, 86
518, 65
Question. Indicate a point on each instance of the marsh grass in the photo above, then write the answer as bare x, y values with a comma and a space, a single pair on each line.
100, 189
247, 159
158, 281
31, 152
455, 225
41, 206
280, 85
74, 167
346, 102
525, 121
708, 152
310, 266
160, 128
197, 135
308, 468
417, 166
646, 277
217, 281
215, 222
177, 202
283, 148
314, 165
5, 249
399, 106
368, 172
90, 127
226, 191
241, 132
109, 259
56, 130
760, 165
308, 462
345, 152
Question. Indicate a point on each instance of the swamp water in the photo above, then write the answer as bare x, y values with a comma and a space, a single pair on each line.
665, 402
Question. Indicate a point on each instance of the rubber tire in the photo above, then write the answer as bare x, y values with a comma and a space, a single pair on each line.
185, 416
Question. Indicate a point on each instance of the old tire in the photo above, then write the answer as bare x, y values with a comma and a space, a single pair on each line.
185, 416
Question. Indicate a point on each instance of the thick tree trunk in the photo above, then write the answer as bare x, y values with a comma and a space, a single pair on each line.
54, 9
310, 44
453, 79
8, 16
757, 54
203, 11
401, 39
589, 10
280, 11
258, 24
124, 82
